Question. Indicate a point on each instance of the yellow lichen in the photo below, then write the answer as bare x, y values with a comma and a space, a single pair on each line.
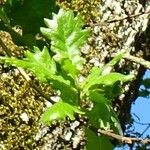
87, 8
17, 97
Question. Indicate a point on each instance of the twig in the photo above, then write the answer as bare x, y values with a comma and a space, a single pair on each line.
141, 123
136, 116
127, 140
25, 75
128, 17
144, 130
119, 19
140, 61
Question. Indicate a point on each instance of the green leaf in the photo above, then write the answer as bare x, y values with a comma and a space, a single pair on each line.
104, 77
114, 90
97, 96
144, 93
113, 77
39, 62
94, 73
69, 67
44, 67
29, 14
102, 115
3, 16
67, 36
68, 93
91, 79
95, 142
116, 124
95, 78
59, 111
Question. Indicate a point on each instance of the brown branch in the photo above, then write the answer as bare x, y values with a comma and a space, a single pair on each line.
127, 140
124, 139
25, 75
118, 19
145, 130
128, 17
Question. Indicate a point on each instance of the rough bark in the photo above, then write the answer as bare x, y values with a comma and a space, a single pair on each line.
116, 28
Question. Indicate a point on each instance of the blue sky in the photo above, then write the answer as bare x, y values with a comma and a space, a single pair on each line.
141, 108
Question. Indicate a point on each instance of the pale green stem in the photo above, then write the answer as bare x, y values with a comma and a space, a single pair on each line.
137, 60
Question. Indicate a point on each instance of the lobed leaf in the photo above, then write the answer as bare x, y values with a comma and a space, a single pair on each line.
104, 117
39, 62
44, 67
59, 111
97, 96
67, 36
95, 78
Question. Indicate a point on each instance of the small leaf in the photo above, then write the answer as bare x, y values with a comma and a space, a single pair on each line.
104, 93
113, 77
104, 77
95, 78
91, 79
146, 83
94, 73
59, 111
144, 93
109, 66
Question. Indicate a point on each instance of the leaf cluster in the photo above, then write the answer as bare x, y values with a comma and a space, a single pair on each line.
60, 67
